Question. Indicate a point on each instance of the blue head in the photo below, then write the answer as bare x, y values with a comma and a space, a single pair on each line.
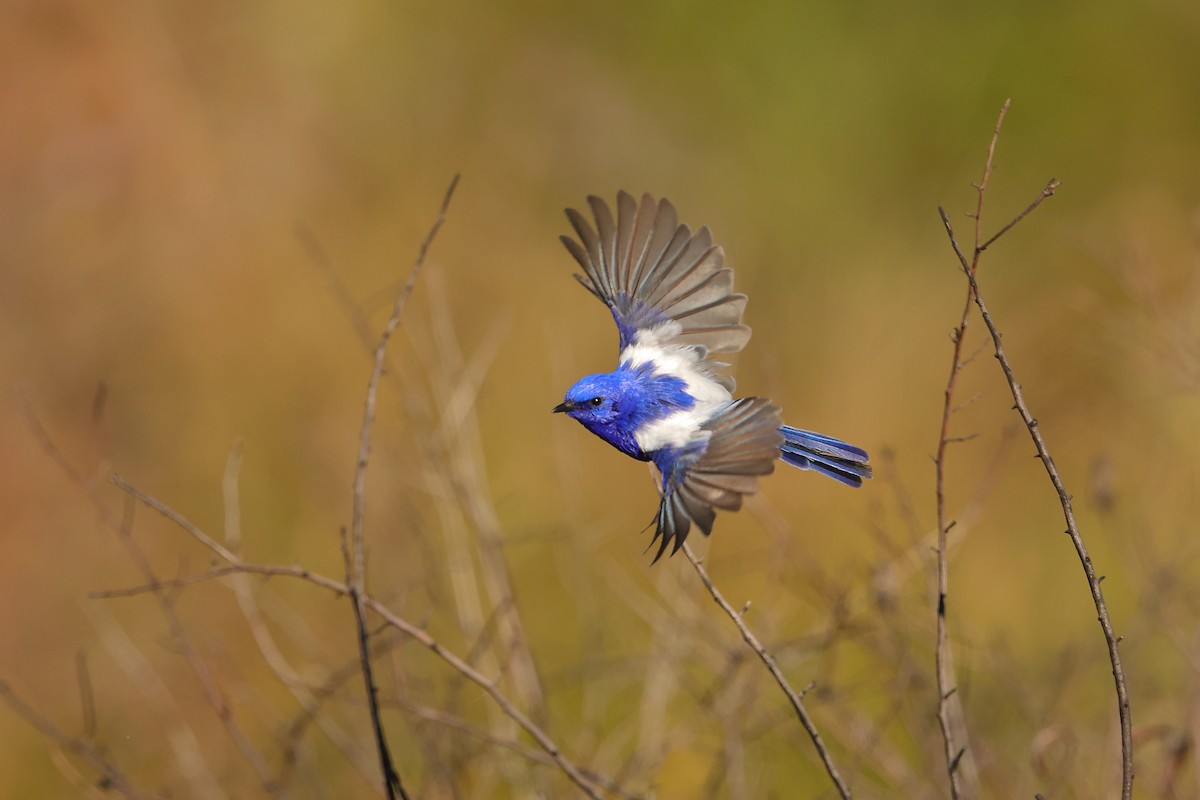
615, 405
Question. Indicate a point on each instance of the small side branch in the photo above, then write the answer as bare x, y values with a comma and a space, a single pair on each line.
112, 776
950, 715
234, 564
364, 439
1064, 498
794, 697
356, 578
122, 527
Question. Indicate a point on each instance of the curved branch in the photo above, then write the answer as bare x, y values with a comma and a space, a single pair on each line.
794, 697
1064, 498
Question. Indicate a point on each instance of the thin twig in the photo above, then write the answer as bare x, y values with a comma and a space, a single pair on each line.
87, 695
153, 503
122, 527
267, 646
950, 714
793, 696
212, 690
1050, 188
237, 568
357, 565
525, 751
1064, 499
364, 440
191, 763
393, 619
113, 778
337, 287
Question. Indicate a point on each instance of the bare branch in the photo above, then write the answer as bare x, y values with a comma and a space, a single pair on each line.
112, 776
1048, 191
525, 751
156, 505
950, 714
87, 695
1064, 498
337, 287
236, 568
122, 527
364, 441
357, 565
390, 617
981, 187
794, 697
263, 637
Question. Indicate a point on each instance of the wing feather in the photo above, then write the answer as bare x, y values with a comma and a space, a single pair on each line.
650, 270
742, 445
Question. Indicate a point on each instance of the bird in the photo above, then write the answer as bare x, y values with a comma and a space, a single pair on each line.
668, 402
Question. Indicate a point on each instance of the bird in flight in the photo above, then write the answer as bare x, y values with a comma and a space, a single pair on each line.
672, 298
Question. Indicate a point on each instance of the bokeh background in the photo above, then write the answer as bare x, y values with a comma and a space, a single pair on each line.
202, 206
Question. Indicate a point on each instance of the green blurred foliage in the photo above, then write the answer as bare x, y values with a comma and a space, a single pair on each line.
157, 160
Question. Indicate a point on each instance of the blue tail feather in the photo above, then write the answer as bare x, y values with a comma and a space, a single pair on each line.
824, 454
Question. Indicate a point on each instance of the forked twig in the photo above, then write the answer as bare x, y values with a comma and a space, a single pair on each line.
265, 639
969, 267
394, 620
1064, 498
950, 714
113, 778
122, 527
356, 567
364, 439
794, 697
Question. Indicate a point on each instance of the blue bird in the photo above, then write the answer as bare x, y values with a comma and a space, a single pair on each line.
672, 299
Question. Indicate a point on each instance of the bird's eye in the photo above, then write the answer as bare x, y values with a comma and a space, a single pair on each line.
596, 401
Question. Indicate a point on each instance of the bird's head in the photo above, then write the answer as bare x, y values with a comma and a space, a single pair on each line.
593, 400
607, 405
616, 405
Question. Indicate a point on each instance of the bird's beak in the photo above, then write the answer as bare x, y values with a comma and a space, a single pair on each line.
565, 405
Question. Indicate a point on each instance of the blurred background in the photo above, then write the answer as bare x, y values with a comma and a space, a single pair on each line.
206, 211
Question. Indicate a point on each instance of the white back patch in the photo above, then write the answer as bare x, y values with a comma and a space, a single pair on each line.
678, 361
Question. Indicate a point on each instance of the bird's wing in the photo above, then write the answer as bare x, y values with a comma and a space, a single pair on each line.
742, 445
651, 272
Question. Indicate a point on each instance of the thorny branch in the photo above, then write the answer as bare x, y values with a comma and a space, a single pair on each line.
1043, 453
794, 697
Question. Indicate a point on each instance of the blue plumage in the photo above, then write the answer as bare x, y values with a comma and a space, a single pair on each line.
616, 405
673, 303
824, 454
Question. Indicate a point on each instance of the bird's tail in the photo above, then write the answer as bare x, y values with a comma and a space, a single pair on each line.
833, 457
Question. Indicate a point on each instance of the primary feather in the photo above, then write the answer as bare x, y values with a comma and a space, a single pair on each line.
652, 271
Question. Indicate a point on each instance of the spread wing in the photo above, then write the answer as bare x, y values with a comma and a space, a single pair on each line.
651, 272
743, 445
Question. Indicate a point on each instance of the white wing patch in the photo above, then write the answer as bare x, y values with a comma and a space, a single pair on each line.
683, 362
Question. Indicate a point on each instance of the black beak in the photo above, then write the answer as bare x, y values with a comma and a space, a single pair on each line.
565, 405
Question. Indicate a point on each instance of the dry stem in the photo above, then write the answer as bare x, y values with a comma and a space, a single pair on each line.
796, 698
1031, 424
236, 565
113, 778
1064, 498
950, 713
356, 566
